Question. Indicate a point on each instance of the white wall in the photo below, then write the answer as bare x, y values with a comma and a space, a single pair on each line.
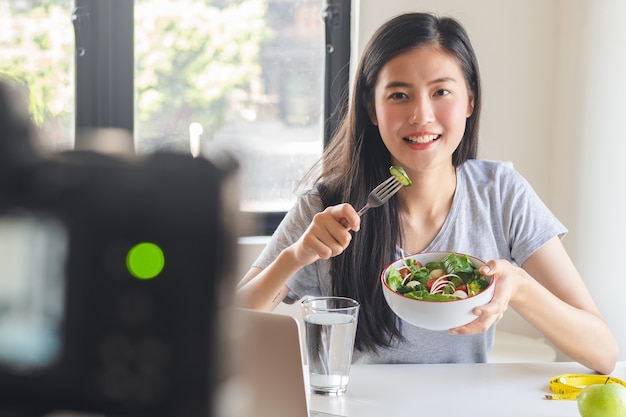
591, 112
554, 87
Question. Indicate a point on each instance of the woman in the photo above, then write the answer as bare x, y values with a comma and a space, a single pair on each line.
416, 103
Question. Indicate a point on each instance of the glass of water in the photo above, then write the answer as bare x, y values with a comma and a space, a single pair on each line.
330, 324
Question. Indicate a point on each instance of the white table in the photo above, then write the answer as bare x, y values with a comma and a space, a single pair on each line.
483, 390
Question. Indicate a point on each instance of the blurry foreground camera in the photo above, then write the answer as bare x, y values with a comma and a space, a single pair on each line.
113, 273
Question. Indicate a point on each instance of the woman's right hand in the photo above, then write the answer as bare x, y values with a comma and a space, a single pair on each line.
327, 236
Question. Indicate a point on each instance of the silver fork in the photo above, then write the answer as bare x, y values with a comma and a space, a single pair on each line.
383, 192
379, 195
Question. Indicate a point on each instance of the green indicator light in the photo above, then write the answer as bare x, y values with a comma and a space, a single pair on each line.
145, 260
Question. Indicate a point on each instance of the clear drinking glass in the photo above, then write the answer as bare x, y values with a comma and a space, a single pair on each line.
330, 328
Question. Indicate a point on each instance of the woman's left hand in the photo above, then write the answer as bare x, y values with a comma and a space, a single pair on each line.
550, 295
507, 277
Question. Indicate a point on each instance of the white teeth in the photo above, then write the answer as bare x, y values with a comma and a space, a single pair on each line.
422, 139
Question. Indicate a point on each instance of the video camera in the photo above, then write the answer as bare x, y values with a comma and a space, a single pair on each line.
113, 273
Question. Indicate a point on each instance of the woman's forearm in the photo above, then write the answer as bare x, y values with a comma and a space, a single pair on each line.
264, 289
581, 335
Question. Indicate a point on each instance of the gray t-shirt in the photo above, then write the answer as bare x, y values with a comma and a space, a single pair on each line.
495, 214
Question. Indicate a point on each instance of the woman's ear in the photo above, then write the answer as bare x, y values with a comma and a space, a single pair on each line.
470, 105
371, 111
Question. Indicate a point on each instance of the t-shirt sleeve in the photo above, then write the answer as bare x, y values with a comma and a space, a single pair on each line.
529, 222
294, 224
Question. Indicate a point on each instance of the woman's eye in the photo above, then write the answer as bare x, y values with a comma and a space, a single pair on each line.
442, 92
397, 96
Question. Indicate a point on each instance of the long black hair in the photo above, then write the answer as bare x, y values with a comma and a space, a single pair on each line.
356, 160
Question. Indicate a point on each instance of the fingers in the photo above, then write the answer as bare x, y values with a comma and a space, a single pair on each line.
486, 316
493, 311
482, 323
495, 267
326, 236
325, 239
344, 214
348, 216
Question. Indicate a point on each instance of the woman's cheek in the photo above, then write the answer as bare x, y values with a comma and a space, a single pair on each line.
391, 117
453, 115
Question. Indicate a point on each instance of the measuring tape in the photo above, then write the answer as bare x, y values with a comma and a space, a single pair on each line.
568, 386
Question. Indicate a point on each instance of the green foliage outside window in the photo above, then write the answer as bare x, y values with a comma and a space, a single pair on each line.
36, 53
198, 58
192, 59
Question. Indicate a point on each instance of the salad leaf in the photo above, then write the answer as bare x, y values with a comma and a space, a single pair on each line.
425, 295
394, 279
455, 263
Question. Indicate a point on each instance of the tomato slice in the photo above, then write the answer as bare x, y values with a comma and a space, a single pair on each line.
430, 282
404, 272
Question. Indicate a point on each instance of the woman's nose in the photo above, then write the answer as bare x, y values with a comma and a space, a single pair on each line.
422, 113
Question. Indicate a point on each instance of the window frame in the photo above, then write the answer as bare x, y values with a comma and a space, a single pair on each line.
104, 65
105, 73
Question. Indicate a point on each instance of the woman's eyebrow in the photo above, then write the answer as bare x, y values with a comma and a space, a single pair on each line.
397, 84
404, 84
442, 80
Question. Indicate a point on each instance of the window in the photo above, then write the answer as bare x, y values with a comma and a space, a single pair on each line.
246, 75
37, 52
185, 75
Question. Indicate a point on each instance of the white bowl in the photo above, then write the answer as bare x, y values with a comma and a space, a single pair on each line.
435, 315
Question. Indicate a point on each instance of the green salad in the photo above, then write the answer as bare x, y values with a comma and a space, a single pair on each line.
452, 278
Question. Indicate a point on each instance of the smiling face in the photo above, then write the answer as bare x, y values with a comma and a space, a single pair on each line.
421, 103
